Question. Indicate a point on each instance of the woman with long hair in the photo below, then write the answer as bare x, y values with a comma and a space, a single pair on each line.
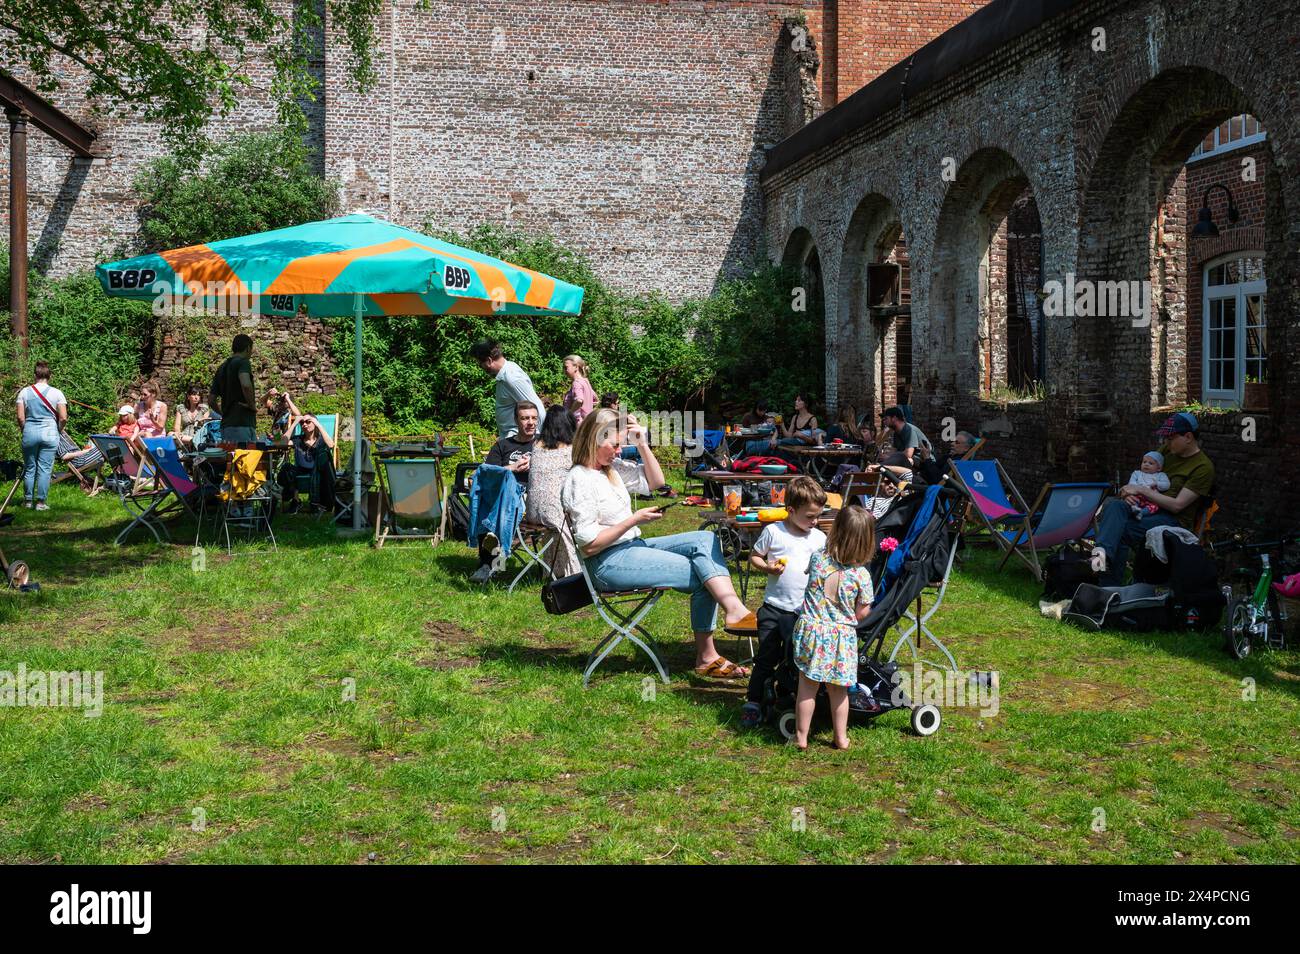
189, 416
549, 464
150, 412
597, 502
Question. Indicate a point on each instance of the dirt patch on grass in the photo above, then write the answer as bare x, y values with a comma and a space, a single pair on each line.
446, 633
1073, 694
1220, 822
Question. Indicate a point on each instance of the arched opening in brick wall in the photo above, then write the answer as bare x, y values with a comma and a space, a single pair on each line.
874, 360
1140, 207
801, 254
986, 331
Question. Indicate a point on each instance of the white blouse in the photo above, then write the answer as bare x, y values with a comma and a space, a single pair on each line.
594, 501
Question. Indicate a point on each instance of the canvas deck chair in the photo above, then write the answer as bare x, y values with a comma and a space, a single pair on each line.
623, 612
174, 492
411, 489
132, 480
1061, 512
82, 466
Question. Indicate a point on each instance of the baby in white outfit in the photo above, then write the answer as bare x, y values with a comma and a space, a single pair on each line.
1149, 475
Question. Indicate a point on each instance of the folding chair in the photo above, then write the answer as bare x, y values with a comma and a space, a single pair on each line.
1061, 512
532, 542
175, 491
133, 482
622, 611
246, 497
84, 467
1206, 508
975, 448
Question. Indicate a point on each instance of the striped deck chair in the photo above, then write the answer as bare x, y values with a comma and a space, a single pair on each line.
1061, 512
82, 465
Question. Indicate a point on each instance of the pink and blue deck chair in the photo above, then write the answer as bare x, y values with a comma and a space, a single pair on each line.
173, 491
1061, 512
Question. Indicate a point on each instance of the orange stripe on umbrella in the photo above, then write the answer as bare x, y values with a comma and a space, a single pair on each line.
393, 303
491, 276
200, 264
313, 274
541, 289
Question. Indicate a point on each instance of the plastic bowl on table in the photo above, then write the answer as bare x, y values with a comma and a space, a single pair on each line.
772, 470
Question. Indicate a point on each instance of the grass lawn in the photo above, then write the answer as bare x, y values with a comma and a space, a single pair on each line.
224, 692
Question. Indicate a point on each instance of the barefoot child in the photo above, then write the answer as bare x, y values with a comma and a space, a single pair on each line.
826, 637
782, 551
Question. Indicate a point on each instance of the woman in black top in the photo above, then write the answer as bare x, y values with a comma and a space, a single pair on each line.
313, 459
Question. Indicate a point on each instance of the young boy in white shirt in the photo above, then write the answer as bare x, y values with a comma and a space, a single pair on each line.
782, 551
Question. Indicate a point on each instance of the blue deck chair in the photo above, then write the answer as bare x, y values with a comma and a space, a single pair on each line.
1062, 511
174, 491
707, 458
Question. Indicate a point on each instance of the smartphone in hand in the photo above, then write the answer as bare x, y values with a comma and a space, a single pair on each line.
662, 507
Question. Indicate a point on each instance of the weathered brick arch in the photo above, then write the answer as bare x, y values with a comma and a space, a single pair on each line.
1133, 173
987, 183
863, 352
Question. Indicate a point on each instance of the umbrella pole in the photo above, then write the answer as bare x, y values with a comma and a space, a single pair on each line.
356, 412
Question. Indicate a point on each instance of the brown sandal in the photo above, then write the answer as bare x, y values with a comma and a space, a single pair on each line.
722, 668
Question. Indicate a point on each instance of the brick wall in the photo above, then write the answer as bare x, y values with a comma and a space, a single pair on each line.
870, 36
1101, 142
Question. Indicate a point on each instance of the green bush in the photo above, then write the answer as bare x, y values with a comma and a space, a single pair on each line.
250, 183
742, 342
95, 346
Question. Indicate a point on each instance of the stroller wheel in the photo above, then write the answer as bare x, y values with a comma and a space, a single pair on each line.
926, 720
18, 574
785, 724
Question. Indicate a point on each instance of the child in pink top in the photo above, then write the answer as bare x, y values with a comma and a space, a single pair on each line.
581, 396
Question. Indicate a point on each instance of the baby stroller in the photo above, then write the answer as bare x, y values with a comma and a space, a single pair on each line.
926, 522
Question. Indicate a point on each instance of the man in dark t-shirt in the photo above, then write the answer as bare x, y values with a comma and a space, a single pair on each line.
1191, 477
231, 393
513, 452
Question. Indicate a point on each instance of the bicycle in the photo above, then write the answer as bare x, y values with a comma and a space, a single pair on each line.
1257, 619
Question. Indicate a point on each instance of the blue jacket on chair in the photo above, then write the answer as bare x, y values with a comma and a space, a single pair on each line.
496, 504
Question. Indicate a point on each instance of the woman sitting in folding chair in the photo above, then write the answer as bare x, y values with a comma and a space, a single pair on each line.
598, 505
312, 465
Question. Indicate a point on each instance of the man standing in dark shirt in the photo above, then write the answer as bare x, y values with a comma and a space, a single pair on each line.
231, 393
513, 452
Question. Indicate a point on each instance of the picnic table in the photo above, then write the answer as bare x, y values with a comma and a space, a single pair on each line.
820, 457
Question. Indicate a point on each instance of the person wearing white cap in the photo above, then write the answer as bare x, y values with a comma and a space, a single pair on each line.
126, 425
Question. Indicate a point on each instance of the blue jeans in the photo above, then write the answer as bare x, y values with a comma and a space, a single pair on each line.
1119, 528
683, 561
239, 435
39, 444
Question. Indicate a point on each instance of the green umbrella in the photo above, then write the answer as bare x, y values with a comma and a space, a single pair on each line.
353, 265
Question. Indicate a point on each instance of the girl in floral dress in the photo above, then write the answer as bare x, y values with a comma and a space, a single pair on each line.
839, 595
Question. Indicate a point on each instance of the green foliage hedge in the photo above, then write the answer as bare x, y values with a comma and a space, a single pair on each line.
744, 341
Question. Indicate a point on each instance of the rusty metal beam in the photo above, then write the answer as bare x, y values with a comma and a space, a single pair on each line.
46, 116
18, 226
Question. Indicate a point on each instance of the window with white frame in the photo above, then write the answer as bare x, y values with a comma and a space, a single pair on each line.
1241, 130
1232, 322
